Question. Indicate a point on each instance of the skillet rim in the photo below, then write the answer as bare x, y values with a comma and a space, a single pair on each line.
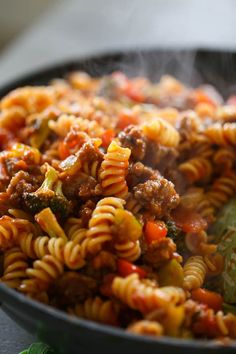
13, 298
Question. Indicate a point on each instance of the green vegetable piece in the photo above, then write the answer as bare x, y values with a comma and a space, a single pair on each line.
38, 348
229, 274
127, 226
171, 274
227, 308
172, 230
225, 219
48, 195
41, 133
225, 231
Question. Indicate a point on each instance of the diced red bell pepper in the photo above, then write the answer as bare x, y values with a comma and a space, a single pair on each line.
210, 298
107, 137
63, 150
154, 231
126, 268
126, 118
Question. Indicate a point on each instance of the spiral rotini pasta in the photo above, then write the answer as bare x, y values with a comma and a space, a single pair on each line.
99, 231
143, 297
128, 250
10, 230
150, 328
44, 271
224, 158
222, 135
71, 226
96, 309
196, 169
14, 267
161, 132
194, 272
198, 243
113, 171
92, 168
33, 247
68, 252
222, 190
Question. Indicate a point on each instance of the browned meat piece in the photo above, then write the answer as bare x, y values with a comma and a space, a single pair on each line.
160, 157
71, 288
158, 196
139, 173
89, 152
21, 183
76, 138
159, 252
86, 212
133, 138
82, 185
89, 188
143, 149
105, 260
176, 177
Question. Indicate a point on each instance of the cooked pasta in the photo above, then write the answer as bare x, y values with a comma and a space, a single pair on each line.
128, 250
194, 272
33, 247
95, 309
150, 328
14, 267
222, 135
10, 230
45, 271
100, 224
196, 169
161, 132
114, 169
222, 189
145, 297
110, 190
68, 252
224, 158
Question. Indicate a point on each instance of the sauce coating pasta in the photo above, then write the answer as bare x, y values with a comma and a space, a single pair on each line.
109, 188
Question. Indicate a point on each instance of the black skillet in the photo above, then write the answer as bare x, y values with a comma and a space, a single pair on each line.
76, 336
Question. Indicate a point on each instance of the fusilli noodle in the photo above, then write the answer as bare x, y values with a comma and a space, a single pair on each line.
113, 171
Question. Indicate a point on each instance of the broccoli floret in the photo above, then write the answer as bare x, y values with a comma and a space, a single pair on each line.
173, 231
48, 195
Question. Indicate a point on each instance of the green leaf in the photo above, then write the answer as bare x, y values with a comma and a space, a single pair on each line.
38, 348
225, 219
224, 231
